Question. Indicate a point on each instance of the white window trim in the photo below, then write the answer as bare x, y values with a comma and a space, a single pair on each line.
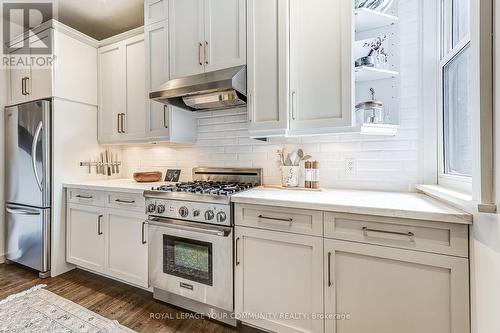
482, 182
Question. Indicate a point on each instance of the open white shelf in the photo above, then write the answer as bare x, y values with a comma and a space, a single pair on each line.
367, 19
378, 129
371, 74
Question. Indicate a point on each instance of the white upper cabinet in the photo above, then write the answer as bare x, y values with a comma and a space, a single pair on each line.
112, 100
206, 35
186, 37
267, 69
225, 34
155, 11
157, 73
299, 67
133, 122
320, 65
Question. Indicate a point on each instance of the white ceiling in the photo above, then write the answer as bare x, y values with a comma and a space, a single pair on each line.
101, 19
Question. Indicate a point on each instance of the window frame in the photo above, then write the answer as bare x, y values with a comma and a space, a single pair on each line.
447, 53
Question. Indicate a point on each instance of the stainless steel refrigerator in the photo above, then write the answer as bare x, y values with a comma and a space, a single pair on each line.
28, 184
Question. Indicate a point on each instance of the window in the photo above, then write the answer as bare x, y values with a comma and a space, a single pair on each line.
455, 135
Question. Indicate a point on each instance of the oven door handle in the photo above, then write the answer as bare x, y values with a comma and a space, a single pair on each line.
189, 226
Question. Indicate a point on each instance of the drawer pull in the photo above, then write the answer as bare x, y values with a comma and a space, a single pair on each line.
289, 220
125, 201
99, 227
86, 197
410, 234
143, 233
329, 269
236, 250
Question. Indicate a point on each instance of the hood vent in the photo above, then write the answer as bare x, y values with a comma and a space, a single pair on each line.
222, 89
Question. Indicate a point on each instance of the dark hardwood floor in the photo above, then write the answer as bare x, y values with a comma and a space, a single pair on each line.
132, 307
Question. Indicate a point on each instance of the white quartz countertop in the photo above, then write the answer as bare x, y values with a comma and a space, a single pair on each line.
114, 185
390, 204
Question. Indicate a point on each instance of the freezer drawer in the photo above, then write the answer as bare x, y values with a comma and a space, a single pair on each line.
28, 241
27, 154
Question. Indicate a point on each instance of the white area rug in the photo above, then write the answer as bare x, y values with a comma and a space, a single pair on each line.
39, 310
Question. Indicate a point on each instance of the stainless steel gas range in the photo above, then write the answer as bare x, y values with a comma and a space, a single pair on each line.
190, 233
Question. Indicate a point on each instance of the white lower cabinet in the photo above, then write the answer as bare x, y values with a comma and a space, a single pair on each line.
127, 247
85, 237
388, 290
278, 275
108, 240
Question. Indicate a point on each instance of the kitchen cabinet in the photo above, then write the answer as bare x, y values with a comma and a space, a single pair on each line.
300, 71
279, 273
85, 237
155, 11
206, 35
382, 289
28, 83
106, 234
320, 65
127, 246
122, 98
71, 53
267, 69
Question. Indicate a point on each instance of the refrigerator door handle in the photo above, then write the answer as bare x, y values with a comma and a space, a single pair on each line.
20, 211
34, 148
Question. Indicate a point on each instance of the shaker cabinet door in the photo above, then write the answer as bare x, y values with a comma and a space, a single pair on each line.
127, 247
320, 65
157, 73
225, 34
267, 68
112, 92
85, 237
187, 37
279, 273
388, 290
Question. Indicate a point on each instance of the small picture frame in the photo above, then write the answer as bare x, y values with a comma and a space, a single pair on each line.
172, 175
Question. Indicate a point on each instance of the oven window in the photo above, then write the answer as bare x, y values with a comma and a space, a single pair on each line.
188, 259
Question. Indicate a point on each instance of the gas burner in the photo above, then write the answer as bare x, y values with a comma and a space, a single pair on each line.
206, 187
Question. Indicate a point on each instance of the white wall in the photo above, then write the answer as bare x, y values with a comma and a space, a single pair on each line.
386, 163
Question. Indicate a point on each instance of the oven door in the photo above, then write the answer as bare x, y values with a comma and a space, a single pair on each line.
192, 260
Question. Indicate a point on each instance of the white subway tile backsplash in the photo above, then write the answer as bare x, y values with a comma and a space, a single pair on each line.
382, 163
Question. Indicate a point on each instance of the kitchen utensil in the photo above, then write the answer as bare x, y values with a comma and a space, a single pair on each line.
147, 177
117, 164
294, 158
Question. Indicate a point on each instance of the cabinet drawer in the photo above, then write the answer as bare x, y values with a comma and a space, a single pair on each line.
85, 197
428, 236
131, 201
300, 221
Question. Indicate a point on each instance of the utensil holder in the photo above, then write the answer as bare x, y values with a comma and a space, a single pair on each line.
290, 176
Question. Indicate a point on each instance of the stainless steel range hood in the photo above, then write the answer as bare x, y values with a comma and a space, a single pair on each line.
222, 89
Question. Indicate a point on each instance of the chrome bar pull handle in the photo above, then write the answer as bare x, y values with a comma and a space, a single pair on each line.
143, 235
292, 102
236, 250
23, 86
99, 224
27, 86
86, 197
206, 53
125, 201
200, 55
123, 122
409, 234
329, 269
118, 123
289, 220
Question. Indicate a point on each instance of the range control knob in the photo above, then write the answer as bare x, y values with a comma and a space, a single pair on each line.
209, 215
221, 217
160, 209
151, 208
196, 213
183, 211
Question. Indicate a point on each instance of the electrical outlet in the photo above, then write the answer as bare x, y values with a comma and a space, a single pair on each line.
350, 166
